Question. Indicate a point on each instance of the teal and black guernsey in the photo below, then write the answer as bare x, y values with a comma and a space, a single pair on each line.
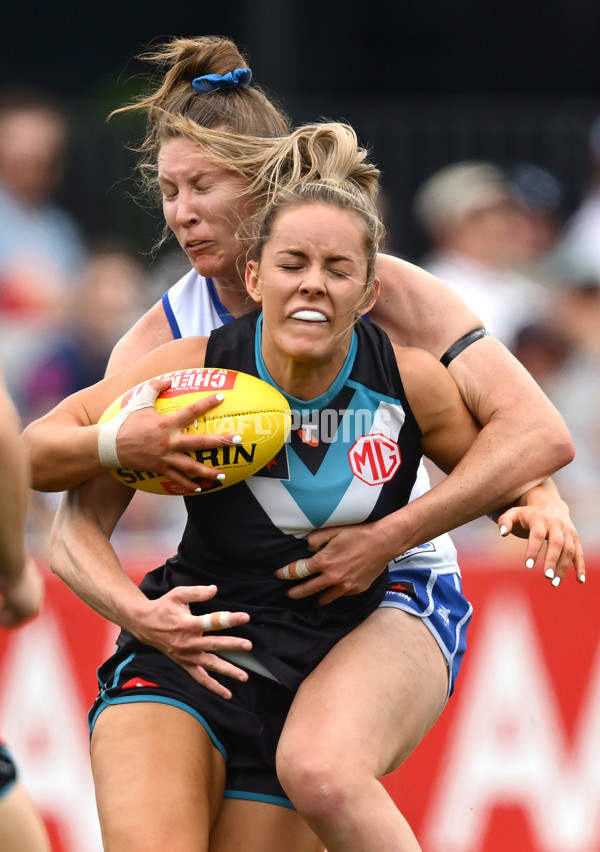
352, 457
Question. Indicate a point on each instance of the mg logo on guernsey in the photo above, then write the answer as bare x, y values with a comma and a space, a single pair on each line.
375, 458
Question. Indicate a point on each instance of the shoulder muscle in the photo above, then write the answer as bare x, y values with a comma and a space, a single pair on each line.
447, 427
417, 309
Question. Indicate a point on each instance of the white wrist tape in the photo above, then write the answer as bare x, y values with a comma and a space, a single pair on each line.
107, 433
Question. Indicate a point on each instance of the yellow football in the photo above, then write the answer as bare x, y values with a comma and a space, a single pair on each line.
251, 408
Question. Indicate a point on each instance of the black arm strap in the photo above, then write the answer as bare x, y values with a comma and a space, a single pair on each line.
461, 344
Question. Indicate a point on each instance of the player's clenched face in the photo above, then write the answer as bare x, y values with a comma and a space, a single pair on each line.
311, 283
202, 206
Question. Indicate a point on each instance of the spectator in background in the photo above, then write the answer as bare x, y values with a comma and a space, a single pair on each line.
562, 352
578, 254
568, 371
540, 196
41, 247
480, 237
21, 588
578, 308
110, 295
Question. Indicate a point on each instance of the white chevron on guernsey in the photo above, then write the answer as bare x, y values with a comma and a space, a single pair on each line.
357, 502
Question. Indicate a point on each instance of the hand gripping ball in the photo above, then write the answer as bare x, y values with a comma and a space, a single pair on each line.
251, 408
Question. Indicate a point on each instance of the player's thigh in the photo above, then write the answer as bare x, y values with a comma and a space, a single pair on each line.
371, 700
258, 827
21, 826
159, 779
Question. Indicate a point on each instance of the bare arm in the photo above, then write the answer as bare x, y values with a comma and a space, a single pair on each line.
353, 556
13, 487
524, 439
349, 558
539, 515
417, 309
63, 445
81, 554
61, 456
21, 587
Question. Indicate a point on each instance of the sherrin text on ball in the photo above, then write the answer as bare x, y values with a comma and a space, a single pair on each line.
251, 408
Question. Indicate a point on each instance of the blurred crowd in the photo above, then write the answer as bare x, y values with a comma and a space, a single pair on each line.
500, 239
64, 300
497, 235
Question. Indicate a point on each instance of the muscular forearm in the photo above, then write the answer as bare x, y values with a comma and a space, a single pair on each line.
82, 556
63, 445
454, 501
524, 439
61, 455
546, 493
347, 559
460, 498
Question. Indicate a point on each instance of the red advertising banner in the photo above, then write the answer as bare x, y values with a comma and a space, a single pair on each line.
514, 759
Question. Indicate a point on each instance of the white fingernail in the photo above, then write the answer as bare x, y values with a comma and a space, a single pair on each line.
220, 397
530, 563
237, 439
503, 530
220, 476
582, 578
197, 490
556, 581
549, 573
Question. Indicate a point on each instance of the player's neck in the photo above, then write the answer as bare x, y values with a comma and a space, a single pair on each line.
233, 296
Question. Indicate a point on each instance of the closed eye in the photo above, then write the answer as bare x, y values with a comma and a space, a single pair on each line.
167, 190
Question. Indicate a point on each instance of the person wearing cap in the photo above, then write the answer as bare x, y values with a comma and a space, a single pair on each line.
478, 232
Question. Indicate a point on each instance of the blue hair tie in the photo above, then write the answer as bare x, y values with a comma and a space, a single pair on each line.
210, 82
